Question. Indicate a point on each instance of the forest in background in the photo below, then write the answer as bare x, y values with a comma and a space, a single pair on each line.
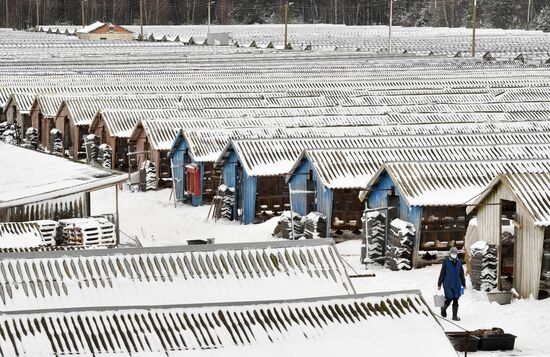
448, 13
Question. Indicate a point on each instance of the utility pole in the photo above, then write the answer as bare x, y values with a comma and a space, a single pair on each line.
37, 14
7, 17
209, 3
528, 15
286, 26
335, 12
391, 21
474, 23
82, 13
141, 19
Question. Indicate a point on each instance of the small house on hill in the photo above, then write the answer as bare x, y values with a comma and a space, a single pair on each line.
105, 31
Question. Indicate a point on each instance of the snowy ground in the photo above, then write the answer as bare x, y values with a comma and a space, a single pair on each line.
152, 218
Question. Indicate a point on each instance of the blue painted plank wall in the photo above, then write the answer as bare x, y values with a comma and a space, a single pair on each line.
179, 170
248, 187
298, 181
230, 178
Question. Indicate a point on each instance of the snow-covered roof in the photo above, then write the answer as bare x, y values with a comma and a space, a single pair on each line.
532, 189
354, 168
173, 275
451, 183
31, 176
91, 27
384, 324
269, 157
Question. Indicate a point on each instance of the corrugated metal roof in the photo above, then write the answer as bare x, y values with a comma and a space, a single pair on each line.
207, 145
271, 157
532, 189
452, 183
171, 275
320, 326
354, 168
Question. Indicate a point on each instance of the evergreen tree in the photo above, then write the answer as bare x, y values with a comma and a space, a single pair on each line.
542, 21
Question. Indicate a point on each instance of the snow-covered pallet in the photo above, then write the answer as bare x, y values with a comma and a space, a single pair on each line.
88, 231
48, 228
20, 235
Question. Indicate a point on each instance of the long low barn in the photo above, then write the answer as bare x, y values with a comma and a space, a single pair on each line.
36, 185
321, 326
171, 275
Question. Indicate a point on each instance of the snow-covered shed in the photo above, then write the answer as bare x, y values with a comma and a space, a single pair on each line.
386, 323
104, 31
524, 198
329, 180
199, 274
18, 109
434, 196
36, 185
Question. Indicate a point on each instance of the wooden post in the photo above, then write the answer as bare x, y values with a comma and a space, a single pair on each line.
141, 19
391, 21
82, 13
335, 11
37, 14
209, 2
474, 22
286, 25
7, 17
526, 25
117, 217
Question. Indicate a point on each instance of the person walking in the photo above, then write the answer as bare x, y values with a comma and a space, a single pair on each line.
452, 279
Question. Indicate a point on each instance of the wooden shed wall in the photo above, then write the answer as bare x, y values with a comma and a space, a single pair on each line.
73, 206
528, 244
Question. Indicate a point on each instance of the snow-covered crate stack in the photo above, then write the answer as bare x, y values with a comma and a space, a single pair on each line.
105, 156
20, 235
56, 142
400, 245
476, 263
88, 231
289, 221
48, 229
92, 148
315, 225
149, 176
376, 236
489, 268
3, 127
227, 195
31, 138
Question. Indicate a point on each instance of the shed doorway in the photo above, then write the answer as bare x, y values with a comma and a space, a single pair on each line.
506, 260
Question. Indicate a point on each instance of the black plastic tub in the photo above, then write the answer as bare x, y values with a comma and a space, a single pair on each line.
502, 342
458, 340
196, 241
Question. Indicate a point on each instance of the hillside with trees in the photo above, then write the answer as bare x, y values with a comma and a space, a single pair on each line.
448, 13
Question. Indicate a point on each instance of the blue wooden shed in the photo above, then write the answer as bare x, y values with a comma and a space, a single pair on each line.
433, 196
183, 156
